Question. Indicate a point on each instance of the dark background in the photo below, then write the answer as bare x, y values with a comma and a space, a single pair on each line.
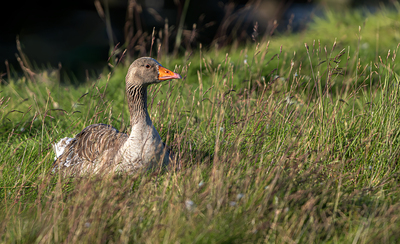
73, 34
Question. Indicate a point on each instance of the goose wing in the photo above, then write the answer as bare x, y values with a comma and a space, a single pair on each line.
96, 145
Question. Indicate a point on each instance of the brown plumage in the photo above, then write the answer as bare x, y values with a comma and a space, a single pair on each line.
102, 148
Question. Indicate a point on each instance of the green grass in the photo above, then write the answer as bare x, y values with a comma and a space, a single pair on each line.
277, 142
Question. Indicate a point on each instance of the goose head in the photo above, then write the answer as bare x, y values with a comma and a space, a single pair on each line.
145, 71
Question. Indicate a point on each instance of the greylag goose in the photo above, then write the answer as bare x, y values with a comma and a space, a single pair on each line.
101, 147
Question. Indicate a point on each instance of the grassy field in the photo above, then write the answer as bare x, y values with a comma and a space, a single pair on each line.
288, 139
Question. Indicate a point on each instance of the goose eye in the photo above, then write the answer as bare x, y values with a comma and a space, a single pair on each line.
147, 66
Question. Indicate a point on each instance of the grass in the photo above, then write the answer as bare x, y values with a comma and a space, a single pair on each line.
279, 142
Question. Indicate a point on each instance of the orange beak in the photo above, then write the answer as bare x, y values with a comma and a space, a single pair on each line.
166, 74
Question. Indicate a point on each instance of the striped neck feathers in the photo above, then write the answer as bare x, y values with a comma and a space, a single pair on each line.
137, 102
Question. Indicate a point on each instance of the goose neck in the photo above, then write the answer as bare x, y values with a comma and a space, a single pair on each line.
137, 102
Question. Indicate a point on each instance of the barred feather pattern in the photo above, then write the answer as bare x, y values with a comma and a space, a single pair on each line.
94, 149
